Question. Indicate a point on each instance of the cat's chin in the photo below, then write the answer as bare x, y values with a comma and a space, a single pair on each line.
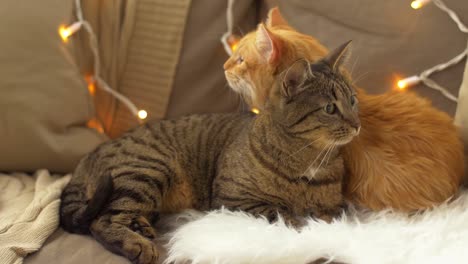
344, 141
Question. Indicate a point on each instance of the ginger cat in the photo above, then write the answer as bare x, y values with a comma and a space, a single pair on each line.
408, 156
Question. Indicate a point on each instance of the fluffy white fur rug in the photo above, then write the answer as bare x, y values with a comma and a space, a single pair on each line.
436, 236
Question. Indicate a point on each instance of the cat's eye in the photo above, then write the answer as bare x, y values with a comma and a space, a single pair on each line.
240, 60
330, 108
354, 100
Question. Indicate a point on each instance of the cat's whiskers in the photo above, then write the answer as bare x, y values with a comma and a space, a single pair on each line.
316, 158
235, 96
354, 65
304, 147
329, 150
360, 78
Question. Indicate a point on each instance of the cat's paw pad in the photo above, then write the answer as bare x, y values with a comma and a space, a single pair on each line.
141, 226
142, 251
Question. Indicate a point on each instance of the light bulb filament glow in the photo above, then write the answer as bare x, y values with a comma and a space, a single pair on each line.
142, 114
255, 111
65, 32
407, 82
416, 4
234, 46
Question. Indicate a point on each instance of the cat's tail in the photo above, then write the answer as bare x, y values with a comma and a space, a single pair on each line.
76, 211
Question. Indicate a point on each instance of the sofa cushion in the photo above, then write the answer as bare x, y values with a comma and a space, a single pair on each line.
390, 39
44, 102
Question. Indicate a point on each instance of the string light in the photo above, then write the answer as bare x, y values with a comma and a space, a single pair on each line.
424, 76
65, 33
95, 124
233, 43
410, 81
229, 47
142, 114
255, 111
91, 84
416, 4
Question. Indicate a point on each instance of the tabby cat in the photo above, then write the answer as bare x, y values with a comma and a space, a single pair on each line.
408, 155
285, 160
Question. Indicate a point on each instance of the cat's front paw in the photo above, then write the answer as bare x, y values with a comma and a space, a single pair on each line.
288, 219
329, 214
141, 226
142, 251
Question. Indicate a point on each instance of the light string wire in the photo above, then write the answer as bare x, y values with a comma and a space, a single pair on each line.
424, 76
141, 114
230, 25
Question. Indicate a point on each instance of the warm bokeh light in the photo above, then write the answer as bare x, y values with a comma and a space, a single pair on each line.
91, 88
408, 81
142, 114
64, 33
95, 124
91, 84
417, 4
234, 46
255, 111
401, 84
233, 42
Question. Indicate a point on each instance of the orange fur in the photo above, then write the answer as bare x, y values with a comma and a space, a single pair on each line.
409, 155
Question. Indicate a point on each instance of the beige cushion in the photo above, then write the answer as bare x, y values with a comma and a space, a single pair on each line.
44, 103
200, 85
390, 39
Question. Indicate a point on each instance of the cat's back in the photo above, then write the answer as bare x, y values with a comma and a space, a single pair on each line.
186, 140
405, 141
190, 128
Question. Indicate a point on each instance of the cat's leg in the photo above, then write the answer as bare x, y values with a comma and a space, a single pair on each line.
258, 208
125, 225
329, 209
329, 213
290, 219
115, 232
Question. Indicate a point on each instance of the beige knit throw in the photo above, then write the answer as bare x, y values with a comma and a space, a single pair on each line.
29, 208
140, 43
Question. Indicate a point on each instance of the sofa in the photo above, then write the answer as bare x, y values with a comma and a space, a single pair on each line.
166, 56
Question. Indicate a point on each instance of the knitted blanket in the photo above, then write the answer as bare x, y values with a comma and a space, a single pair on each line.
28, 212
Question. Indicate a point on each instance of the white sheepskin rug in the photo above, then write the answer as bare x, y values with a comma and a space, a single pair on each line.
436, 236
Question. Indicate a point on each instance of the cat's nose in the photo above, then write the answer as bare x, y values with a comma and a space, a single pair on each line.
356, 125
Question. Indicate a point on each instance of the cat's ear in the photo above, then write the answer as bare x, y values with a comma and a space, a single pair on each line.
275, 18
338, 56
267, 44
295, 77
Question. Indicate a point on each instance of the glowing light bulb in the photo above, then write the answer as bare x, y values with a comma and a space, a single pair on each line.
65, 32
401, 84
91, 88
233, 42
95, 124
234, 46
416, 4
142, 114
410, 81
255, 111
91, 84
